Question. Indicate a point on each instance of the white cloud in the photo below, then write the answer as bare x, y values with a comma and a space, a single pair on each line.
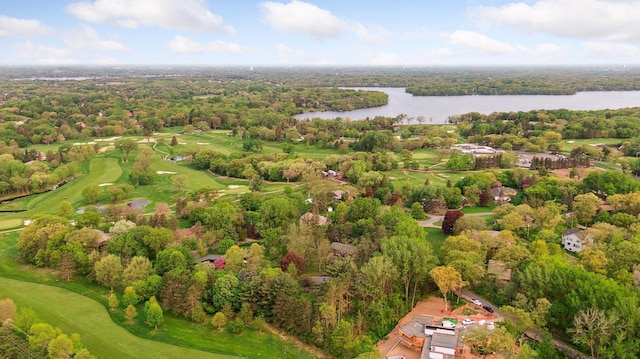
303, 18
376, 34
185, 45
288, 52
13, 27
605, 50
479, 43
590, 19
546, 50
188, 15
385, 59
88, 38
44, 55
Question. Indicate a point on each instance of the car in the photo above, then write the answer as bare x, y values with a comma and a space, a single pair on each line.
468, 321
476, 302
488, 308
491, 326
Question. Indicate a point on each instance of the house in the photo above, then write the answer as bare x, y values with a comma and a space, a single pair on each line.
433, 341
209, 258
499, 270
574, 240
502, 194
312, 219
338, 195
344, 250
315, 281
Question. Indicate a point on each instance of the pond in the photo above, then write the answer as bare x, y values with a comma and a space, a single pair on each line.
437, 109
138, 203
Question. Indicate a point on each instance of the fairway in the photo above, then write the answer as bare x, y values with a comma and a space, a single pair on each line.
74, 313
101, 170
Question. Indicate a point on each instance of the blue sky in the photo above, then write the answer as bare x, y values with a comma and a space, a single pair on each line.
319, 32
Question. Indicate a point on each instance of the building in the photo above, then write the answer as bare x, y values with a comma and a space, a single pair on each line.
344, 250
312, 219
502, 194
574, 240
433, 342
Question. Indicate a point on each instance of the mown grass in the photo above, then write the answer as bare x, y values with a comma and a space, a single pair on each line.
107, 335
100, 170
436, 237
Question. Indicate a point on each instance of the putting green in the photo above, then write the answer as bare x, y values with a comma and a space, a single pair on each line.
74, 313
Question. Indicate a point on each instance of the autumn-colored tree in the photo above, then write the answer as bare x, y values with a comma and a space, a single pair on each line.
292, 257
449, 221
448, 279
219, 320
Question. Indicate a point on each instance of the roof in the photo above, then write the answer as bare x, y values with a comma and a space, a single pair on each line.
445, 340
344, 248
571, 231
423, 319
316, 280
311, 218
208, 258
413, 329
499, 269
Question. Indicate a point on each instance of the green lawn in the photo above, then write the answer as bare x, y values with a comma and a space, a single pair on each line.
101, 170
74, 313
436, 237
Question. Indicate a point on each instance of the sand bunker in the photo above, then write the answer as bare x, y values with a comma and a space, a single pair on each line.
202, 143
108, 139
105, 184
165, 173
232, 186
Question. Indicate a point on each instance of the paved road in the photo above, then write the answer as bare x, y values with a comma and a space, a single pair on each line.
531, 333
433, 219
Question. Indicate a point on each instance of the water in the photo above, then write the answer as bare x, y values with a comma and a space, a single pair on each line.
437, 109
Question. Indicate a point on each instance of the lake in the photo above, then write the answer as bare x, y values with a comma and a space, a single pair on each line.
437, 109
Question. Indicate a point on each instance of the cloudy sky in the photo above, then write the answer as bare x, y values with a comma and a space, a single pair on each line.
320, 32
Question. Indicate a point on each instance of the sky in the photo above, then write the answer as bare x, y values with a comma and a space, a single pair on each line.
320, 32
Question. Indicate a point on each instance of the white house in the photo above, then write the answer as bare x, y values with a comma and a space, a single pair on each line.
574, 240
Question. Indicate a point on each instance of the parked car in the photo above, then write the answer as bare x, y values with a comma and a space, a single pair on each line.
476, 302
468, 321
488, 308
491, 326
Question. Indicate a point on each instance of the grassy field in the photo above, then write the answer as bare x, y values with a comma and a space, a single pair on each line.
46, 294
90, 319
436, 237
101, 170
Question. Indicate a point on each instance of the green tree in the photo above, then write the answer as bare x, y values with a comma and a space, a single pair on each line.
61, 347
108, 271
125, 146
413, 258
130, 297
93, 193
131, 313
585, 207
65, 209
40, 334
417, 211
153, 313
593, 328
114, 303
219, 320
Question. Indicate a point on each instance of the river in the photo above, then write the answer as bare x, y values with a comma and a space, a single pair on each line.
437, 109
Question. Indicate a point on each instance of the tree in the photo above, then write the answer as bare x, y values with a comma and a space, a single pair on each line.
417, 211
585, 207
130, 297
139, 269
448, 279
153, 313
449, 220
40, 334
113, 301
125, 146
179, 182
517, 321
61, 347
65, 209
131, 312
234, 259
219, 320
174, 141
93, 193
292, 258
412, 258
593, 328
108, 271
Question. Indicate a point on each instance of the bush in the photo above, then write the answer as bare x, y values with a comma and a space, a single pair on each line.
236, 326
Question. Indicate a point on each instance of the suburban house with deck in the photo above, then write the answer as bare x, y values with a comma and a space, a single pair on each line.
432, 341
